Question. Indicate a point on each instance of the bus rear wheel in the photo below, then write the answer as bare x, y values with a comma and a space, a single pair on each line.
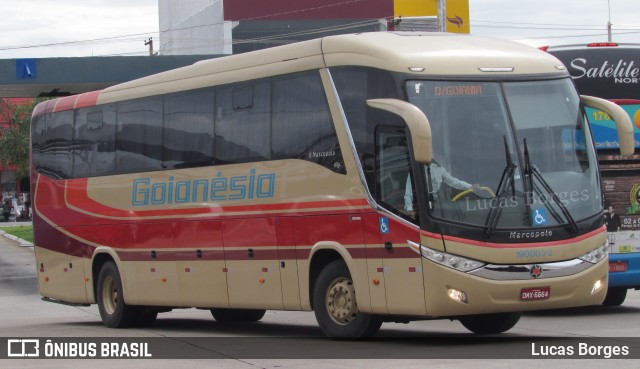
237, 315
615, 296
113, 310
335, 307
490, 323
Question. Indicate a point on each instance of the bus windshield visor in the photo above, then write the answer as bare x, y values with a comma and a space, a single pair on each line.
508, 154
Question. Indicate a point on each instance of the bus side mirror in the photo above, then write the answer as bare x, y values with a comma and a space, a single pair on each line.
622, 119
418, 124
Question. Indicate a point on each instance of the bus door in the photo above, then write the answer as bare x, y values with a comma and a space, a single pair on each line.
402, 267
253, 267
287, 263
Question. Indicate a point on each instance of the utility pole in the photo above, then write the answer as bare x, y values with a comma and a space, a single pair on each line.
609, 22
442, 15
150, 43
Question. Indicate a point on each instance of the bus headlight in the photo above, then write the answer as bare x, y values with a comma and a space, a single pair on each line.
596, 255
449, 260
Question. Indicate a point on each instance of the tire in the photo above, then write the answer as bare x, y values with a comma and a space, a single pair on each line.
490, 323
615, 296
146, 317
113, 310
237, 315
335, 307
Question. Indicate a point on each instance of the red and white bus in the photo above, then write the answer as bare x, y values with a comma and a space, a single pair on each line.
369, 178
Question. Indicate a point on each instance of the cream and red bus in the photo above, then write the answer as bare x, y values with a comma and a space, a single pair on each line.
368, 178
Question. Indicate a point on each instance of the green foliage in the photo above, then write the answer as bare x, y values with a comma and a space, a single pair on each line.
24, 232
14, 138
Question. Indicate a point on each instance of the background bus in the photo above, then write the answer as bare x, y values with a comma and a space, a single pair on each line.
612, 71
278, 180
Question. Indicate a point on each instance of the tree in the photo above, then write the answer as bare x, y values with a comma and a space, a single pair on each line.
14, 136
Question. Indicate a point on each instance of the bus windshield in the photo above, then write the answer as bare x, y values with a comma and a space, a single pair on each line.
508, 154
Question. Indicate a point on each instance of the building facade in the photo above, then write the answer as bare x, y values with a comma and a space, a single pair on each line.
236, 26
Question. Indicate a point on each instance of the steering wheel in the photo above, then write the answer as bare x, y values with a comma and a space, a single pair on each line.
472, 190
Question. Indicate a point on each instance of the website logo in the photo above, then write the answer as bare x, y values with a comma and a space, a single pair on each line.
23, 348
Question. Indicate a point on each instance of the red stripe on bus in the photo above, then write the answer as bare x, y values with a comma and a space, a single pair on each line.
208, 255
436, 236
51, 104
66, 103
87, 99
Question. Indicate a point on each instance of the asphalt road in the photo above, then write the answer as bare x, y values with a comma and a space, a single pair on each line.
192, 338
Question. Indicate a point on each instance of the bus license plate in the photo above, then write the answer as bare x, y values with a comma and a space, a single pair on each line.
535, 293
617, 266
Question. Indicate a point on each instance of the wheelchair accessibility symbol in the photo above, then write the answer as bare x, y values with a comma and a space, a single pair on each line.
539, 217
384, 225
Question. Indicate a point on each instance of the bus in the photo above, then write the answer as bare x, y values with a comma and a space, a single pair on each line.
316, 177
611, 71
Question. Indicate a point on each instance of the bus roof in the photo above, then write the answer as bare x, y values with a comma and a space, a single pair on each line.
431, 54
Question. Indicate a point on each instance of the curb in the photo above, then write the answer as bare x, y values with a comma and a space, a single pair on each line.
20, 241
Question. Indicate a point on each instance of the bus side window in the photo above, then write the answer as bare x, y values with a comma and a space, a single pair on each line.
395, 185
38, 129
243, 122
188, 129
94, 142
57, 145
139, 135
301, 122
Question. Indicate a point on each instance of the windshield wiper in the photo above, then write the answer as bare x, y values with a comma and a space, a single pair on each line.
531, 171
503, 186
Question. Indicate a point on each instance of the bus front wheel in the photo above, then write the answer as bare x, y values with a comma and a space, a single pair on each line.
490, 323
615, 296
113, 310
335, 307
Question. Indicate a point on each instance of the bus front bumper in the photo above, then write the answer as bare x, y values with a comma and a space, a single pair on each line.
449, 292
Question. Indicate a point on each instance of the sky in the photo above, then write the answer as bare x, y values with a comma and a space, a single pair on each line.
78, 28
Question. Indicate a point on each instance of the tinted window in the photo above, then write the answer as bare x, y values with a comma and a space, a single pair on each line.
355, 85
94, 143
139, 135
396, 190
38, 130
57, 145
302, 125
188, 129
285, 117
243, 123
